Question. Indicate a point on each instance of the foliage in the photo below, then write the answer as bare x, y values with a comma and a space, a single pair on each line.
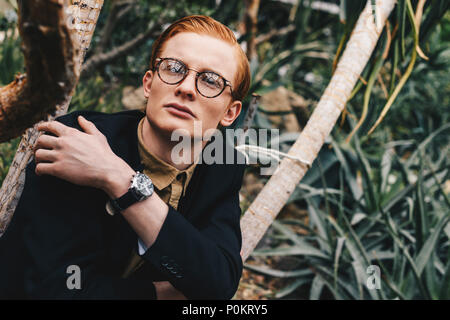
91, 95
11, 64
11, 57
386, 211
381, 200
7, 152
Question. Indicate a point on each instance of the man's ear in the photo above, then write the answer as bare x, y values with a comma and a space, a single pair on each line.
231, 113
147, 83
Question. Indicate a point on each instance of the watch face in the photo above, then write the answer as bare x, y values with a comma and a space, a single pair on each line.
143, 185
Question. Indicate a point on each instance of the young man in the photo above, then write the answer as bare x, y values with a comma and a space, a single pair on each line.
83, 230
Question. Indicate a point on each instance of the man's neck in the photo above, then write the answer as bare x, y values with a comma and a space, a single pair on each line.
161, 145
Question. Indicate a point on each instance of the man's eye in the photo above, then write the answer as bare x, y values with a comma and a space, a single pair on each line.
211, 80
175, 67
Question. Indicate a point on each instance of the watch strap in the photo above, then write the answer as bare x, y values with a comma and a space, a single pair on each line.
129, 198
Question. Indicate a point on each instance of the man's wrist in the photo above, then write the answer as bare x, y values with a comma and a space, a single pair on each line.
118, 181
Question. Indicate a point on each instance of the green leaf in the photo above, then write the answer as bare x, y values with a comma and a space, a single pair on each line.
420, 216
291, 288
305, 249
360, 259
278, 273
350, 178
421, 147
337, 255
430, 245
288, 232
386, 165
316, 288
415, 273
316, 219
345, 290
445, 287
369, 195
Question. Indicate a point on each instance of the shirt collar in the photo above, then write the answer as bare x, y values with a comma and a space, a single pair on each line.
162, 173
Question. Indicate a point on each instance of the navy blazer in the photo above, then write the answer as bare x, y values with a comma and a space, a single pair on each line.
57, 224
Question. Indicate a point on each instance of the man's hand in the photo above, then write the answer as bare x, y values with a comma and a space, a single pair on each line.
83, 158
165, 291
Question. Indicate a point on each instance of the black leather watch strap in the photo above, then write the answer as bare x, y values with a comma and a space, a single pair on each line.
129, 198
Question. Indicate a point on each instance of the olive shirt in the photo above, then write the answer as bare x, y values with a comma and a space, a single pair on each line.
169, 182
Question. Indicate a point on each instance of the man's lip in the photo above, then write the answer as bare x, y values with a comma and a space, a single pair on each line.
180, 107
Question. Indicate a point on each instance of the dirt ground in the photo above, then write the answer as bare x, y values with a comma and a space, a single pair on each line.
256, 286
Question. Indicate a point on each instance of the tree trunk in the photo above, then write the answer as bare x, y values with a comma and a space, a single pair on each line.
276, 192
55, 40
249, 26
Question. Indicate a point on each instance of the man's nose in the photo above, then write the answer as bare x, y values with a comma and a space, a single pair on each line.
186, 87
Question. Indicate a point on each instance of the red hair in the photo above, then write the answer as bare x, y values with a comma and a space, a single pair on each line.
208, 26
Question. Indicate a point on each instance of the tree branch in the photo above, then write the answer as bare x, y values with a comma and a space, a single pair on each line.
84, 15
274, 33
116, 13
50, 51
98, 60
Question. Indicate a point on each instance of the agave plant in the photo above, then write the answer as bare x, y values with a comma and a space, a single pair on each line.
386, 214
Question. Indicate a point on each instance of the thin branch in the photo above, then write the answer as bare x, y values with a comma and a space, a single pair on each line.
250, 23
274, 33
102, 59
251, 112
108, 28
116, 13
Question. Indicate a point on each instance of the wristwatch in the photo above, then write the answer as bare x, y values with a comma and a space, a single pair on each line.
141, 188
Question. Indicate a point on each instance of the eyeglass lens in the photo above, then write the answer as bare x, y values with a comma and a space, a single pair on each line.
209, 84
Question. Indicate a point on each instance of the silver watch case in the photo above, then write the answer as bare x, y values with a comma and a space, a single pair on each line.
142, 186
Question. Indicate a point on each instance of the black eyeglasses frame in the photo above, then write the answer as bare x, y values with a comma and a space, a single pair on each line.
198, 73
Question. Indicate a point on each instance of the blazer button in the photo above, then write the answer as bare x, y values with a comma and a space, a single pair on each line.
178, 272
174, 269
170, 264
165, 261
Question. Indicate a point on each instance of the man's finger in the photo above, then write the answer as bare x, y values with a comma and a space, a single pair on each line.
55, 127
46, 141
87, 126
43, 155
44, 168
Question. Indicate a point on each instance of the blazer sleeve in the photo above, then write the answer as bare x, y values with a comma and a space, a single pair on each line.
202, 262
58, 233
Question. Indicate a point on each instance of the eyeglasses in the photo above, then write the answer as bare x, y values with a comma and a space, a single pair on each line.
209, 84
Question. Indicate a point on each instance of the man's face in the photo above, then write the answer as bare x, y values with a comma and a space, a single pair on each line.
202, 53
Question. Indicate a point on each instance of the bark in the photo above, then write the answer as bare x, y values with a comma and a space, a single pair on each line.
276, 192
48, 51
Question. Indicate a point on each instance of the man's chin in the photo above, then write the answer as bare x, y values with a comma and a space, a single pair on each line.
175, 129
